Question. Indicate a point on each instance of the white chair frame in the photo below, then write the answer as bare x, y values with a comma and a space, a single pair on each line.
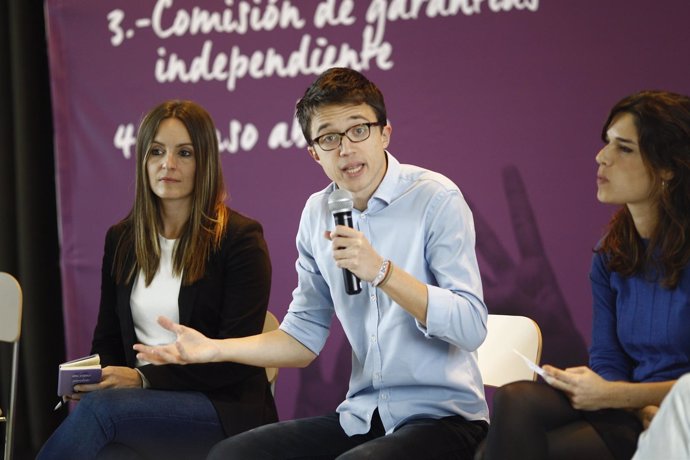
498, 363
10, 331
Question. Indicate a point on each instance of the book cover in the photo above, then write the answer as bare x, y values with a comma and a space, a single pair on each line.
78, 371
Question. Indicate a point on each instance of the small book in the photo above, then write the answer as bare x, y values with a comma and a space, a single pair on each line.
78, 371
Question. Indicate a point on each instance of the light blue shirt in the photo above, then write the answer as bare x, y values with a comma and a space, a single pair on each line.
420, 221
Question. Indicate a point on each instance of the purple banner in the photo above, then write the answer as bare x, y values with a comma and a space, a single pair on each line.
505, 97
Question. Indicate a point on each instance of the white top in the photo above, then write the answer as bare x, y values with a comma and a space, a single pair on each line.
158, 298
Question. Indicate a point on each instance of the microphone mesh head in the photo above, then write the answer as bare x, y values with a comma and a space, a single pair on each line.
340, 201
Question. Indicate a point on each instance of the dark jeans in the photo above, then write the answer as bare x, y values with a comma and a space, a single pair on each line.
136, 424
323, 438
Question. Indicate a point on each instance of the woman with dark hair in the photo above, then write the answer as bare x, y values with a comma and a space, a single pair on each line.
641, 300
179, 252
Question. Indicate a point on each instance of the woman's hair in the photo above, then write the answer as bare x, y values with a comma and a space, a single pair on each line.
339, 85
662, 120
208, 217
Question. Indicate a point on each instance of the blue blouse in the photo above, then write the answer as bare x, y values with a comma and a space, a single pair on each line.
640, 330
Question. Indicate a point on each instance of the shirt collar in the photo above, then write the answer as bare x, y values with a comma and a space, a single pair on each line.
386, 189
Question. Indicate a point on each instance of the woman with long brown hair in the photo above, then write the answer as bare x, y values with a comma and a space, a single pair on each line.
641, 299
179, 252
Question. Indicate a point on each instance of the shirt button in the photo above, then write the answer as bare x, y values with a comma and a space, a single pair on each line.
373, 339
384, 396
377, 376
373, 298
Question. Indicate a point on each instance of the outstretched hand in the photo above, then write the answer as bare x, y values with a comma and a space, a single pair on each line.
190, 347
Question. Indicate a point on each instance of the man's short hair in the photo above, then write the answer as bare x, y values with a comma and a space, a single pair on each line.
339, 86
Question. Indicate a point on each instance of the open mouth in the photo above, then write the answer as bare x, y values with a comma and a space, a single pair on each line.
353, 170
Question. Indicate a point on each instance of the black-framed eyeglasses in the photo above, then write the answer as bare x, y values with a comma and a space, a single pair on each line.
356, 133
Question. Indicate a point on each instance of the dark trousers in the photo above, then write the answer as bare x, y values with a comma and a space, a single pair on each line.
535, 421
321, 438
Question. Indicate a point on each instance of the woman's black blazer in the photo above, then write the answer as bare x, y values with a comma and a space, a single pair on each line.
229, 301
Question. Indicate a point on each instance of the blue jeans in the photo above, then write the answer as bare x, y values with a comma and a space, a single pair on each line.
323, 438
136, 424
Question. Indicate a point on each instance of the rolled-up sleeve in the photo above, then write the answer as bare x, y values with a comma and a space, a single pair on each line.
310, 314
456, 311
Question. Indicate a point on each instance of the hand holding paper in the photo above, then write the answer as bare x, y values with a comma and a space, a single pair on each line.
585, 389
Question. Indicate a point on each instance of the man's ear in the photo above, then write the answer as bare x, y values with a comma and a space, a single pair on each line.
386, 135
313, 154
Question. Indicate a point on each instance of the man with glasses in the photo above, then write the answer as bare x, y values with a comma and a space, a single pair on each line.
415, 389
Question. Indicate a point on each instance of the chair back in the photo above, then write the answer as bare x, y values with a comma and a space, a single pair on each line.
10, 308
10, 331
270, 324
498, 363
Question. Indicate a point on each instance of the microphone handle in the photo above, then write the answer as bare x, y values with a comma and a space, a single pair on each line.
352, 283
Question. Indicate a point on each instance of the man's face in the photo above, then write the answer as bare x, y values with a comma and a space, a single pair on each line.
357, 167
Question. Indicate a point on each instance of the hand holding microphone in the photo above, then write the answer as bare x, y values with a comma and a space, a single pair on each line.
340, 204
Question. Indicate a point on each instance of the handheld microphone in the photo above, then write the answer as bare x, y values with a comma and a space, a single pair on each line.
340, 204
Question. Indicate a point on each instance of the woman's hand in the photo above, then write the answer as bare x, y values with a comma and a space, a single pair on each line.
589, 391
585, 389
191, 346
112, 377
646, 414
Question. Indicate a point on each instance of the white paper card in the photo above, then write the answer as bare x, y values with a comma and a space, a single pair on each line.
530, 363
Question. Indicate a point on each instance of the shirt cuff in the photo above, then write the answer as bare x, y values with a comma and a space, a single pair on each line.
436, 319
